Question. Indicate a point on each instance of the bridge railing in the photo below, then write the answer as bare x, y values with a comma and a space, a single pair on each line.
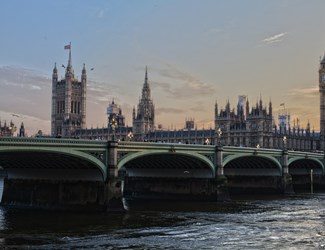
42, 140
306, 154
165, 146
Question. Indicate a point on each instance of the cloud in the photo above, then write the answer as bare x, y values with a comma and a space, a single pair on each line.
300, 101
198, 109
32, 88
274, 39
304, 92
215, 30
21, 77
98, 12
159, 111
102, 92
186, 85
35, 87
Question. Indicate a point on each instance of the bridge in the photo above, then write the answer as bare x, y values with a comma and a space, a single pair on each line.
87, 173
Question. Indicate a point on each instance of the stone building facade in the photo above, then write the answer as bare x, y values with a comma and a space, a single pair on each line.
245, 126
255, 127
321, 74
68, 101
144, 117
7, 129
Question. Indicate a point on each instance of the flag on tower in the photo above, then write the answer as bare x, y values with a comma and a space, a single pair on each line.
67, 46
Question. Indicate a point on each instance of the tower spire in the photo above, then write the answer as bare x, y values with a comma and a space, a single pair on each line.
146, 85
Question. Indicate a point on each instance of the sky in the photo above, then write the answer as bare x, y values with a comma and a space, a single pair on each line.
197, 53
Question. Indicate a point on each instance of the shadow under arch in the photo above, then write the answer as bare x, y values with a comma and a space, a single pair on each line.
252, 165
54, 163
302, 166
167, 164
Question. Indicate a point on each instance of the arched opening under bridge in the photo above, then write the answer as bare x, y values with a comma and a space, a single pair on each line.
170, 175
252, 174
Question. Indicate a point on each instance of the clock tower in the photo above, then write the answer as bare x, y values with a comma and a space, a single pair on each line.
321, 73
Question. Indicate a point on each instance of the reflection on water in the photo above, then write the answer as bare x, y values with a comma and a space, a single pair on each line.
295, 222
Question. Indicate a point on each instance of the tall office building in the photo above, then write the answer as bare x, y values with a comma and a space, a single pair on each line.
68, 101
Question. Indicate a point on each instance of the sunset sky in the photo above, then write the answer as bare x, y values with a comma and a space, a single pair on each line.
197, 53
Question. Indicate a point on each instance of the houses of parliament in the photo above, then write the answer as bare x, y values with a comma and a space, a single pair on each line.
249, 125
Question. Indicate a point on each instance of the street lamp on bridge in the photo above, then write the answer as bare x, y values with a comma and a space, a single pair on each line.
284, 142
130, 135
113, 125
219, 133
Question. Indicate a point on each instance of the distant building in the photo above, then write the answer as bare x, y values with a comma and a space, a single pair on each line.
114, 112
144, 117
68, 101
188, 135
115, 127
284, 121
189, 124
7, 130
258, 130
321, 75
244, 127
22, 130
242, 104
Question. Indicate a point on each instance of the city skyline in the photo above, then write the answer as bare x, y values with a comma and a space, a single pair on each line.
196, 53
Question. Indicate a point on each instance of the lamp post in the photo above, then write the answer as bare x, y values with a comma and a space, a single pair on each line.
219, 133
130, 135
284, 142
207, 142
113, 125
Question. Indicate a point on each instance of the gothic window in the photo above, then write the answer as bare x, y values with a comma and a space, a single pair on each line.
78, 107
71, 106
75, 107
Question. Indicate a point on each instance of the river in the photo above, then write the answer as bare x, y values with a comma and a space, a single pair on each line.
291, 222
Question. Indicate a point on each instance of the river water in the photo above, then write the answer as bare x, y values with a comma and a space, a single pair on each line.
291, 222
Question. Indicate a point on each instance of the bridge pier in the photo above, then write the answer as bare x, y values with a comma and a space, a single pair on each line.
286, 181
221, 179
54, 194
113, 185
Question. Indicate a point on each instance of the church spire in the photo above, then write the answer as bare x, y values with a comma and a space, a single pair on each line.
55, 72
146, 88
146, 76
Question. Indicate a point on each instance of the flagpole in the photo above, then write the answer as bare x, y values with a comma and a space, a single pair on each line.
70, 53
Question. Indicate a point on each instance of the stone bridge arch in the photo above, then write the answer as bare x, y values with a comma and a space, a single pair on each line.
251, 165
167, 164
52, 163
303, 165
